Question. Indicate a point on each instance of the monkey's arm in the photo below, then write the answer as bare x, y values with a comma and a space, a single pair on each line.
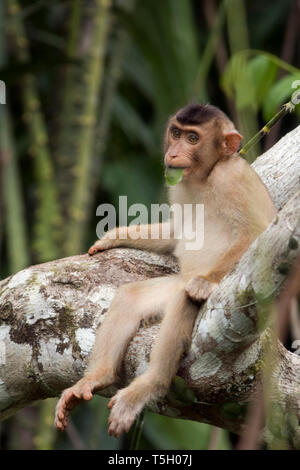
200, 287
153, 237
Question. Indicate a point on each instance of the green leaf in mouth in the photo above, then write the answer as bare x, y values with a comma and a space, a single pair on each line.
173, 175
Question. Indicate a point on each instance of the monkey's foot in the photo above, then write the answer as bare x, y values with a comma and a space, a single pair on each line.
124, 409
82, 390
199, 289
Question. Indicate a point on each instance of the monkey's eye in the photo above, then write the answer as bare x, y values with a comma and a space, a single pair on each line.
176, 133
192, 137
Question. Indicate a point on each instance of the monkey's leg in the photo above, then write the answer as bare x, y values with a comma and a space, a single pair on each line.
132, 303
173, 339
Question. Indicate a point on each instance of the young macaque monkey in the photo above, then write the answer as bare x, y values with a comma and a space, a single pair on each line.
201, 140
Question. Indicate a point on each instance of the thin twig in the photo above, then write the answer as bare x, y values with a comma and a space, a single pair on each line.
285, 109
75, 437
137, 432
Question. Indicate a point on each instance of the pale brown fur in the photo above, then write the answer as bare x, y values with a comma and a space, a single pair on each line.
237, 208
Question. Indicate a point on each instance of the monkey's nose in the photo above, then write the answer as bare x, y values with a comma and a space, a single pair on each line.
170, 159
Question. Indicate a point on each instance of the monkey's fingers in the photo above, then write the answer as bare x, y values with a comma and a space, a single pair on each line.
208, 288
93, 250
86, 391
100, 245
199, 289
65, 404
61, 420
69, 399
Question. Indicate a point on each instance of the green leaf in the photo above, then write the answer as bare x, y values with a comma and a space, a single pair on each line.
263, 72
227, 79
173, 175
237, 82
233, 411
182, 392
173, 433
280, 92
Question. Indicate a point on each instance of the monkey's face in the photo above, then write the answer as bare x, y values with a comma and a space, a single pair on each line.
189, 146
196, 148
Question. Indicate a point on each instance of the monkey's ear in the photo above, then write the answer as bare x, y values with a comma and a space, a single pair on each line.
231, 142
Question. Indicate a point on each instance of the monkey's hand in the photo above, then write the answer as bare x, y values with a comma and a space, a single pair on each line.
199, 289
109, 240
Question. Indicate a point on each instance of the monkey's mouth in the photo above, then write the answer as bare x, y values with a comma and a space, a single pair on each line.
177, 167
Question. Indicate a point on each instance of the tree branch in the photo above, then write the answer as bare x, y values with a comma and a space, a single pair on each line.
49, 314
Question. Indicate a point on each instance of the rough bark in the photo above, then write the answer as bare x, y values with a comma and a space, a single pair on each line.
49, 314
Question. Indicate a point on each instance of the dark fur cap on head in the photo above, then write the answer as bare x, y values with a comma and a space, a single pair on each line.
194, 114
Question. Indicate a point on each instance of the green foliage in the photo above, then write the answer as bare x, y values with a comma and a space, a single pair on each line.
237, 81
233, 411
134, 177
253, 82
181, 392
172, 433
280, 92
262, 73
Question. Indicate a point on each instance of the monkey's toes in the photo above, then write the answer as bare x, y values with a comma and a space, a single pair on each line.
119, 423
122, 415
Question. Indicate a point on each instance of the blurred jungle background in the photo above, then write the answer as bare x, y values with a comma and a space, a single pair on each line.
89, 87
